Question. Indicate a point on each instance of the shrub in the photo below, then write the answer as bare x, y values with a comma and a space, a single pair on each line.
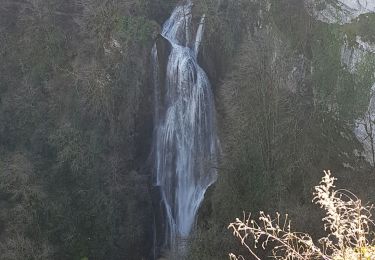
347, 222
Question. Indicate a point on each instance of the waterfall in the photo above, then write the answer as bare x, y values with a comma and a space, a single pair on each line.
185, 140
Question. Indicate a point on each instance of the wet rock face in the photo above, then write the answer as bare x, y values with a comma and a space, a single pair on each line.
339, 11
159, 222
163, 47
206, 60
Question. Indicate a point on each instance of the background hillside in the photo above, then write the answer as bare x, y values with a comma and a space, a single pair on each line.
292, 89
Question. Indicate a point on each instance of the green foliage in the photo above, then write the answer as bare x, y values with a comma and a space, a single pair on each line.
271, 132
337, 89
203, 248
136, 30
226, 23
46, 53
293, 22
75, 108
71, 148
246, 178
23, 201
255, 173
326, 64
362, 26
69, 105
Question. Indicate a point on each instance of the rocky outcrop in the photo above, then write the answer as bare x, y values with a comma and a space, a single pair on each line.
339, 11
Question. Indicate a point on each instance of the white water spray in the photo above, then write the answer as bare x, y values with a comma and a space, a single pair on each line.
185, 140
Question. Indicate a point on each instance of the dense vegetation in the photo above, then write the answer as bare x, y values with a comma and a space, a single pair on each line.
287, 107
76, 121
75, 128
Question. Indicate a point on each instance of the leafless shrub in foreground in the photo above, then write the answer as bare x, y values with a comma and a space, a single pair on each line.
347, 222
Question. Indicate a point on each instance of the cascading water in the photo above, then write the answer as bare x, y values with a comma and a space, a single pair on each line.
185, 140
